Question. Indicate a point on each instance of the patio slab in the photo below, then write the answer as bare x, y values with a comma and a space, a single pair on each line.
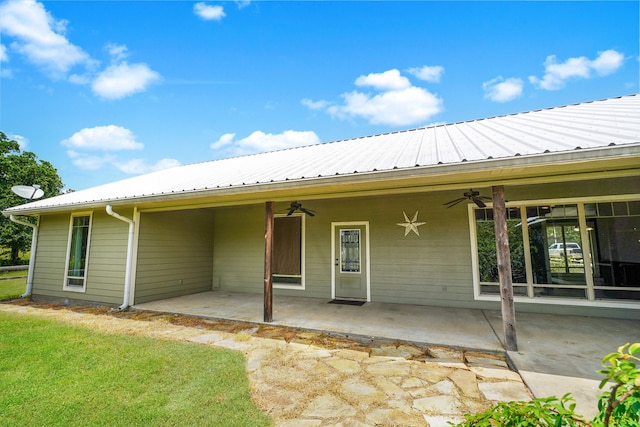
464, 328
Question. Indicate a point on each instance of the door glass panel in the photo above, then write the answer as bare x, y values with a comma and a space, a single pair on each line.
350, 251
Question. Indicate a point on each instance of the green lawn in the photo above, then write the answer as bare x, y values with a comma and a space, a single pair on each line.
53, 375
12, 288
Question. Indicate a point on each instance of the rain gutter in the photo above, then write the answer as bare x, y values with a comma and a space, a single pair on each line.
127, 273
32, 258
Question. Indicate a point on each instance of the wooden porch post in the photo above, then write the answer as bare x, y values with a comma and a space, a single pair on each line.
268, 257
504, 268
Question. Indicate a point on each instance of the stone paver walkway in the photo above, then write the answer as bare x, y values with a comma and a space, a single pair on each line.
307, 379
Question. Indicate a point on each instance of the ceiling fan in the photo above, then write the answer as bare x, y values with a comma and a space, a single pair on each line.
472, 195
297, 206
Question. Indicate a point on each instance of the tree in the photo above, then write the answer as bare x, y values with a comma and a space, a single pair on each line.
21, 168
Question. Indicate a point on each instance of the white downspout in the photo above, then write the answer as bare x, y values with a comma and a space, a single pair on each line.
127, 273
32, 258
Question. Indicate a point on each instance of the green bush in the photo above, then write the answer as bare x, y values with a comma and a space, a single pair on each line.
549, 411
618, 407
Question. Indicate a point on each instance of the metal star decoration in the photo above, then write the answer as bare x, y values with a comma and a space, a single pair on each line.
411, 224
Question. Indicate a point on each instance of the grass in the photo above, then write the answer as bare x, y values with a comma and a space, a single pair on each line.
12, 288
54, 374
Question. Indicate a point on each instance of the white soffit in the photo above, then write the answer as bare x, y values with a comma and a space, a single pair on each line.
597, 124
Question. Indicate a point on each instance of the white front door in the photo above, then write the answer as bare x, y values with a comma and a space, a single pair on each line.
351, 263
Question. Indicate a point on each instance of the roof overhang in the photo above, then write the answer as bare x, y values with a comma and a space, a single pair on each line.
576, 165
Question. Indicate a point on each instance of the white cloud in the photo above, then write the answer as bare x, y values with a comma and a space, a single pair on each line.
4, 71
80, 79
91, 148
87, 161
243, 3
225, 140
208, 12
117, 51
314, 105
607, 62
501, 90
395, 108
121, 80
399, 103
389, 80
104, 138
259, 141
21, 140
140, 166
427, 73
40, 37
556, 74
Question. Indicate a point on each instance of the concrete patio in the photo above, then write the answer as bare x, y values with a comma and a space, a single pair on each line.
556, 354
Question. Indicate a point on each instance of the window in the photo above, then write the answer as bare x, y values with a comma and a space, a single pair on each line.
579, 251
288, 252
77, 253
555, 240
614, 244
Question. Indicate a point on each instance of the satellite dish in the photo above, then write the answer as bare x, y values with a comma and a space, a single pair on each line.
29, 192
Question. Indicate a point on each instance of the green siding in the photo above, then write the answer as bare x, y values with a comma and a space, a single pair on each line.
432, 268
49, 268
175, 254
239, 249
107, 259
190, 251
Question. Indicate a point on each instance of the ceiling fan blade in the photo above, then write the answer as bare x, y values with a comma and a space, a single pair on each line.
307, 211
454, 202
479, 202
291, 211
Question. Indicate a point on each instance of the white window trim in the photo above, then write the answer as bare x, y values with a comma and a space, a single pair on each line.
302, 285
580, 202
65, 287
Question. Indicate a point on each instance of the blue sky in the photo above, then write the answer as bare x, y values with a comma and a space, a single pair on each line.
105, 90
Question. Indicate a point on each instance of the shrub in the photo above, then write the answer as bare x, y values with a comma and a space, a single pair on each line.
620, 406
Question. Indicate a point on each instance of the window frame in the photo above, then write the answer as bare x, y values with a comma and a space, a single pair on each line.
302, 285
580, 202
65, 285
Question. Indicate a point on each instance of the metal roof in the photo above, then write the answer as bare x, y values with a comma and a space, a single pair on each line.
598, 124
